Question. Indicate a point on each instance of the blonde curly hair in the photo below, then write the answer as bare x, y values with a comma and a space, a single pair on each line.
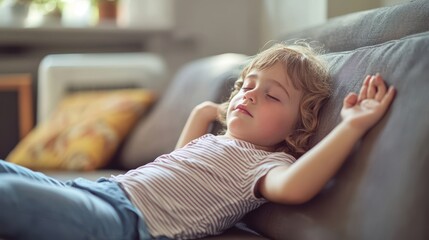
308, 73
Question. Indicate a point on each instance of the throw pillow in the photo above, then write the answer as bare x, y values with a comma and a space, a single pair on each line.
83, 132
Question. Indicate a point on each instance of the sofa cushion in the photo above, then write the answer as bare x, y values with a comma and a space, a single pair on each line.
201, 80
369, 27
83, 132
381, 192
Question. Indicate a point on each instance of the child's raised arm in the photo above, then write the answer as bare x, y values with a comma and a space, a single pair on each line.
198, 122
304, 179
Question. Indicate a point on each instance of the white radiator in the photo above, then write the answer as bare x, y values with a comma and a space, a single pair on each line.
60, 74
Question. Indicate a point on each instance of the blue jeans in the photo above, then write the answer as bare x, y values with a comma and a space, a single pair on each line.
35, 206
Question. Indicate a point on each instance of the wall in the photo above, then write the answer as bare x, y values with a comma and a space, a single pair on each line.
206, 27
279, 16
341, 7
392, 2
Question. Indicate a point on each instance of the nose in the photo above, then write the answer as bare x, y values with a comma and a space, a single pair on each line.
250, 96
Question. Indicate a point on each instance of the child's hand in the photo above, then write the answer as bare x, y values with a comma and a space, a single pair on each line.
365, 110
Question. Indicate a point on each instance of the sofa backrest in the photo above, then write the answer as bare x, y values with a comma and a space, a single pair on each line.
368, 27
208, 79
381, 192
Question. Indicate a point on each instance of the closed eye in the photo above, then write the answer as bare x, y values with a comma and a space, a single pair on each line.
273, 98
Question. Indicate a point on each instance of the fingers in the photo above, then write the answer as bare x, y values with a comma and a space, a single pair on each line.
364, 88
350, 100
388, 98
373, 87
380, 87
376, 88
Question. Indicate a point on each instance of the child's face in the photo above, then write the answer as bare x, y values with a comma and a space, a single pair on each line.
265, 110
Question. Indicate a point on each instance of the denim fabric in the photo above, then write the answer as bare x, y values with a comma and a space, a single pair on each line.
35, 206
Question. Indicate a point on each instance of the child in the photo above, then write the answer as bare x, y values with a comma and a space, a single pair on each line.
209, 182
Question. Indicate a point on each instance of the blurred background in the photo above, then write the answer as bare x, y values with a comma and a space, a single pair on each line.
178, 30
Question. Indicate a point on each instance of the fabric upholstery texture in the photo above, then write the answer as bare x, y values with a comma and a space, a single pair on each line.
84, 132
369, 27
384, 182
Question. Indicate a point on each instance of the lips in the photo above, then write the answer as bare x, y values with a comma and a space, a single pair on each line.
243, 109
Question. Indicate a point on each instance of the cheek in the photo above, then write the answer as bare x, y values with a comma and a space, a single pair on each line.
283, 123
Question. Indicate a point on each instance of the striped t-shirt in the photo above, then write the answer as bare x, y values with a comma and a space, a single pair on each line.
202, 188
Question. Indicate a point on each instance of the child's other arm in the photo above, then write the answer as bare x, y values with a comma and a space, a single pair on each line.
198, 122
303, 180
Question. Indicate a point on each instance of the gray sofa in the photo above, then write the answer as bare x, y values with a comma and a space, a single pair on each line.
381, 191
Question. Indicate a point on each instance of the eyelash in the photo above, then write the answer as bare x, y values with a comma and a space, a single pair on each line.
274, 98
268, 95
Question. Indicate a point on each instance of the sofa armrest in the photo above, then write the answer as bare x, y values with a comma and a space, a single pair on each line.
63, 73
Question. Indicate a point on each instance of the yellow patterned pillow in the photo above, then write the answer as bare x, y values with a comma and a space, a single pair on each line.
84, 131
